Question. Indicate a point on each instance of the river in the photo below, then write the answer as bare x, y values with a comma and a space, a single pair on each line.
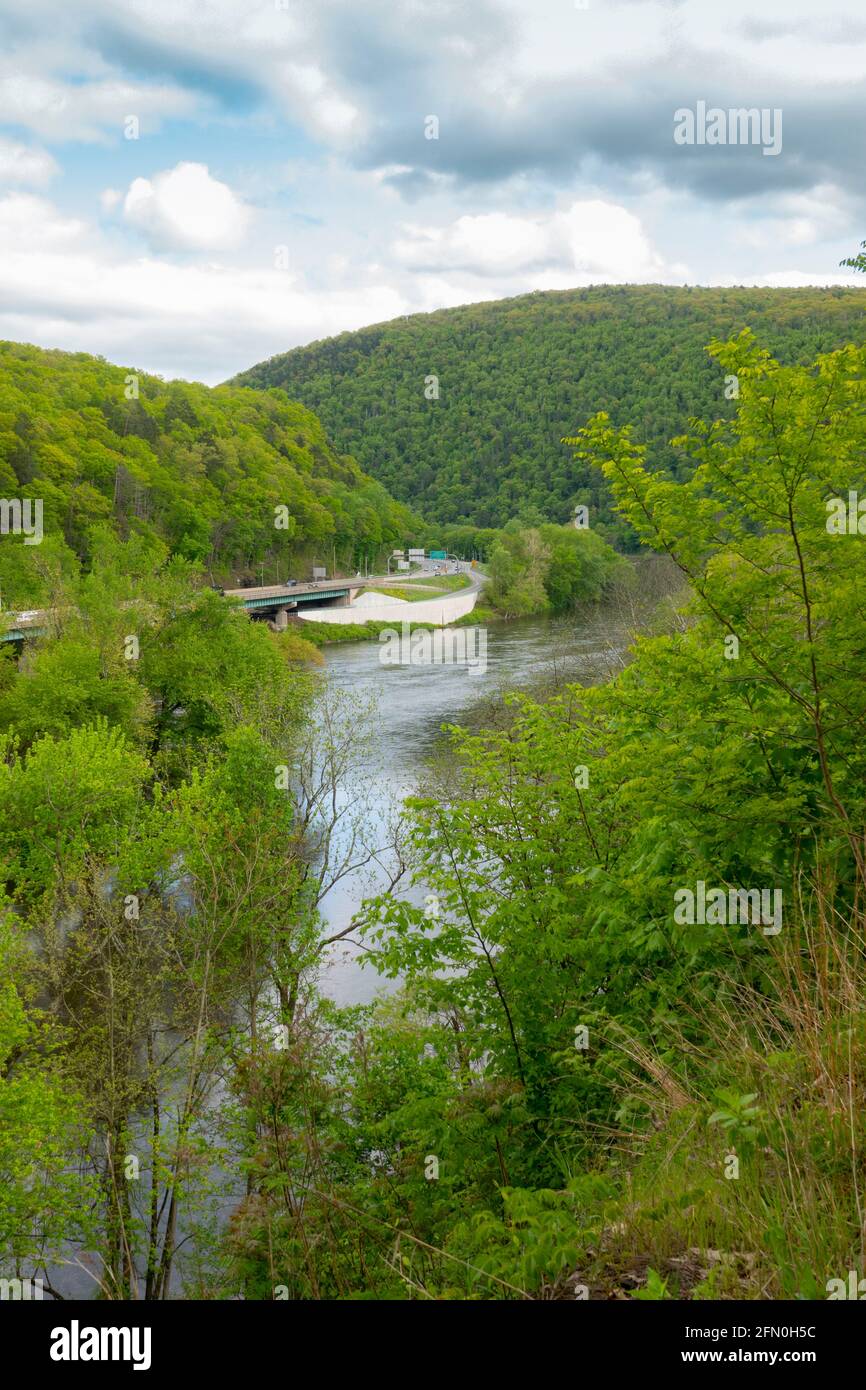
409, 705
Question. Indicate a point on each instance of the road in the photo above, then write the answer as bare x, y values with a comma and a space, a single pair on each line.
476, 579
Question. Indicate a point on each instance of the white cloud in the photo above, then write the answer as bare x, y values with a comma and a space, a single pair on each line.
62, 286
589, 238
23, 164
486, 245
800, 279
800, 219
58, 110
34, 223
186, 209
309, 95
603, 239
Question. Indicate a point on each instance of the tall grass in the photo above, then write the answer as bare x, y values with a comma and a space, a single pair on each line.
746, 1153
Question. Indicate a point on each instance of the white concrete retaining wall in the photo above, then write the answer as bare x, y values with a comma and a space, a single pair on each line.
440, 611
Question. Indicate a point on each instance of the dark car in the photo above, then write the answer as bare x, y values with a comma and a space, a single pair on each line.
290, 583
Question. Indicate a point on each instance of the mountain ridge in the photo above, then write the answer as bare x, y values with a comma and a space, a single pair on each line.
514, 376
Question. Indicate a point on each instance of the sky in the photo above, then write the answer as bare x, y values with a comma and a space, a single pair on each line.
190, 186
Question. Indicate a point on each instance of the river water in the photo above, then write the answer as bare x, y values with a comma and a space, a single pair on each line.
408, 706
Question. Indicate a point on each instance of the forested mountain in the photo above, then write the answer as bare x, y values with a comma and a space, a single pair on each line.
517, 375
198, 470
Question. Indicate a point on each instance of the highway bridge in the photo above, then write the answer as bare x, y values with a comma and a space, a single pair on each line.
272, 601
278, 601
30, 624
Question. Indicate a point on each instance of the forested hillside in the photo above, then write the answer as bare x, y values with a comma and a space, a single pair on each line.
200, 471
627, 1054
517, 375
